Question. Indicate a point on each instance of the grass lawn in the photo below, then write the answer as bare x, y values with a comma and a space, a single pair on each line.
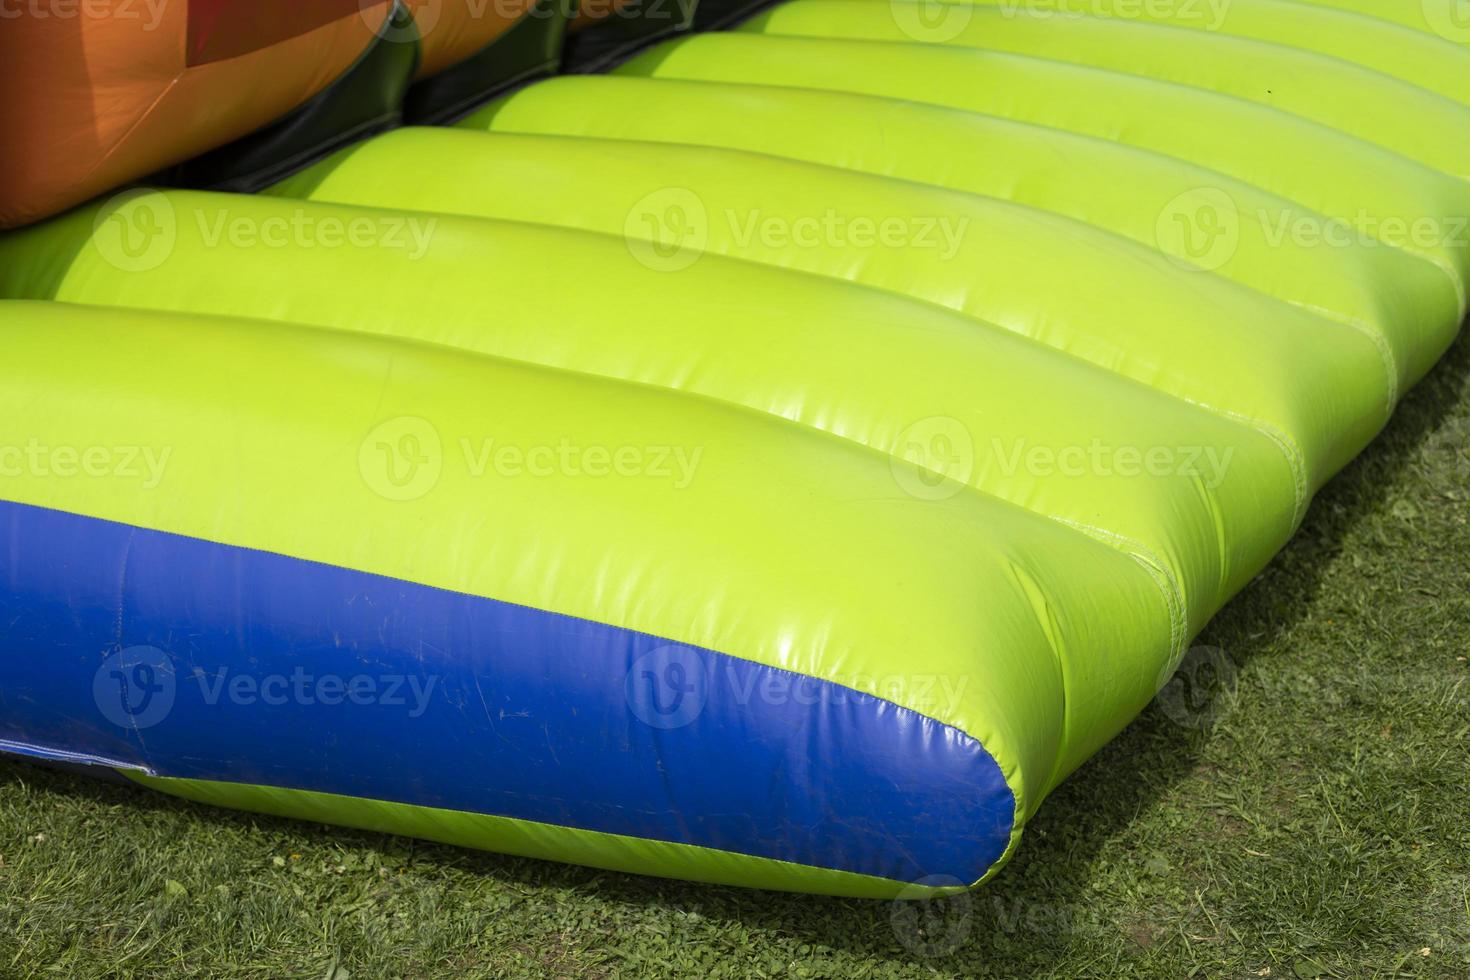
1311, 818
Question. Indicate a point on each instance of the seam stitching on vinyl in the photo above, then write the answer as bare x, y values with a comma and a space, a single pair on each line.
1456, 280
1157, 569
1380, 341
193, 782
1295, 458
1002, 53
1361, 15
1152, 563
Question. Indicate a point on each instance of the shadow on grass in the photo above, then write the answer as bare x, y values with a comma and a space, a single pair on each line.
1048, 882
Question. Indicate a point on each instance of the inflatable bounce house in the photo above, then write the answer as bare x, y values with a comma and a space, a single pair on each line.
771, 444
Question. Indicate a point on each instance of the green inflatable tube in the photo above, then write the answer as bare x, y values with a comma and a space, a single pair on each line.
779, 462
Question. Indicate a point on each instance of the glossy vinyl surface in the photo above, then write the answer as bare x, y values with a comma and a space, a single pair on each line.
963, 365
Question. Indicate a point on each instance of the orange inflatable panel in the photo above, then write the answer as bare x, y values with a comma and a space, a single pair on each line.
453, 30
117, 91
